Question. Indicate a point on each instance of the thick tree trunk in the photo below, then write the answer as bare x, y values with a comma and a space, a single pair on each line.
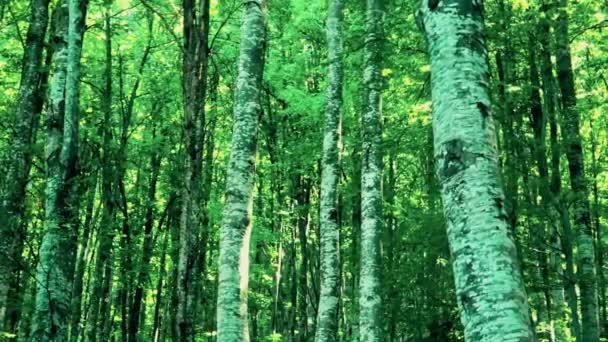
196, 31
57, 252
586, 272
327, 319
235, 232
12, 202
484, 257
370, 285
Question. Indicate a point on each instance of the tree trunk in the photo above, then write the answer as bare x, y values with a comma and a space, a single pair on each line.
235, 232
484, 257
55, 269
586, 272
370, 285
196, 30
327, 319
99, 292
80, 266
29, 106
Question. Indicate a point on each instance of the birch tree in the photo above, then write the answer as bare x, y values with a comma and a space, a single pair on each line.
489, 287
57, 251
235, 231
327, 319
370, 296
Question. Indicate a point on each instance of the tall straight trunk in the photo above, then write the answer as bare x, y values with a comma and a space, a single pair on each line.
147, 247
565, 282
370, 285
327, 319
235, 232
156, 327
586, 272
303, 209
99, 290
58, 249
598, 235
196, 31
29, 106
544, 253
80, 266
392, 291
484, 257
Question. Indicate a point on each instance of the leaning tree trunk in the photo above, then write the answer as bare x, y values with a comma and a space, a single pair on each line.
57, 252
235, 232
327, 319
586, 273
484, 257
370, 295
12, 202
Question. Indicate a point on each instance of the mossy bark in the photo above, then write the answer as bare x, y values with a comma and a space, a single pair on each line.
29, 106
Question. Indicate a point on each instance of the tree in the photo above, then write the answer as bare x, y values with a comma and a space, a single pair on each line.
327, 319
58, 250
484, 258
195, 50
370, 295
586, 272
235, 232
12, 205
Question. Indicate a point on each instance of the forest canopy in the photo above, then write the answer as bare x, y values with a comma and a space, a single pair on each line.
303, 170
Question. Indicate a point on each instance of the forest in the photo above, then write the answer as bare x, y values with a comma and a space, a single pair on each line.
304, 170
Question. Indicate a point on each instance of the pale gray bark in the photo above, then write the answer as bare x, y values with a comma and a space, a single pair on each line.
489, 287
370, 285
235, 232
327, 315
57, 252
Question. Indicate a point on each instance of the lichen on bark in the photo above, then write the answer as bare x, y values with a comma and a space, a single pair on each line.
489, 287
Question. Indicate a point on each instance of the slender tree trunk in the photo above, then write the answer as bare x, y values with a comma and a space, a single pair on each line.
484, 257
55, 269
370, 285
586, 272
235, 232
327, 319
565, 282
100, 291
303, 208
29, 106
79, 269
156, 328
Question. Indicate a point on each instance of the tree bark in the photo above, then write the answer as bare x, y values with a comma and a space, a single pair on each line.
196, 31
484, 257
235, 232
327, 319
57, 252
370, 285
100, 289
586, 268
29, 106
